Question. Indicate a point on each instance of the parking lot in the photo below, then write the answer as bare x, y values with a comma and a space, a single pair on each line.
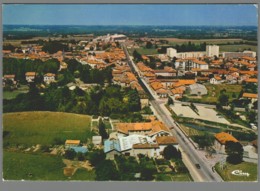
204, 113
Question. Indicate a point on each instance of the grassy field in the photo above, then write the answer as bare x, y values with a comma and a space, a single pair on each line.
175, 178
13, 94
237, 48
146, 51
214, 91
30, 128
250, 168
17, 166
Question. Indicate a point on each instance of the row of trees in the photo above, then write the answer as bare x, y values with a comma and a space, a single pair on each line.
187, 47
111, 100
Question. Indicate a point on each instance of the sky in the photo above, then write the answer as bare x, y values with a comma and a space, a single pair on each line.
149, 14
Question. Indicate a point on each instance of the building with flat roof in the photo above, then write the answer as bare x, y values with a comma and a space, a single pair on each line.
171, 52
212, 50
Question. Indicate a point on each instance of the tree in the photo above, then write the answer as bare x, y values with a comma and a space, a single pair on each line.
234, 151
102, 129
137, 56
251, 115
80, 156
54, 46
107, 171
96, 157
70, 154
73, 65
170, 152
204, 141
148, 45
223, 99
170, 101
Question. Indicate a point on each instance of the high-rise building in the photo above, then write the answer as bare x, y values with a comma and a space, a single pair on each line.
212, 50
171, 52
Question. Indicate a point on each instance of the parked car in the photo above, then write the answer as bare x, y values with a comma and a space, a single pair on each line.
198, 166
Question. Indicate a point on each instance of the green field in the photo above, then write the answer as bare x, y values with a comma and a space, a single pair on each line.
146, 51
184, 177
31, 128
14, 93
17, 166
250, 168
11, 95
214, 91
237, 48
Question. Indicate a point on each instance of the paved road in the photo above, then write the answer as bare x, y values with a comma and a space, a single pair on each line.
189, 152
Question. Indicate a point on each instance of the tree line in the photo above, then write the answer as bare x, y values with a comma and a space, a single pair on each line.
75, 70
112, 100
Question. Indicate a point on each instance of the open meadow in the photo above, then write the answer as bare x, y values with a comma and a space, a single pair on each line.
28, 166
31, 128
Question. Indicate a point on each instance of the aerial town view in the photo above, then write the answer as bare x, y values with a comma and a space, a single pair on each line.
114, 92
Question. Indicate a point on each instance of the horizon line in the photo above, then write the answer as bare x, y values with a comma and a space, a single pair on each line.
126, 25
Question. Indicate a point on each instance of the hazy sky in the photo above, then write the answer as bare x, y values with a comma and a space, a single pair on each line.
47, 14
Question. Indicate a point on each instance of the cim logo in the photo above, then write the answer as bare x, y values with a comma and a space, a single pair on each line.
240, 173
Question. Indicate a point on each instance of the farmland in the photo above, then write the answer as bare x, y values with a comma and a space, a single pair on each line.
31, 128
237, 48
17, 166
174, 41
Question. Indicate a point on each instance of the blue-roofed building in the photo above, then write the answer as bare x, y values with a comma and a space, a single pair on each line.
79, 149
111, 147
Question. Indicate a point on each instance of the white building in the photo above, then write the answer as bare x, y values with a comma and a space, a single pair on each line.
188, 64
196, 54
29, 76
212, 50
48, 78
171, 52
134, 144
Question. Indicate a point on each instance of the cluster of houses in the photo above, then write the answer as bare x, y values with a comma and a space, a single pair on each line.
29, 77
197, 72
132, 139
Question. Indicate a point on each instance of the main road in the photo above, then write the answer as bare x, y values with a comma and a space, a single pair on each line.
190, 155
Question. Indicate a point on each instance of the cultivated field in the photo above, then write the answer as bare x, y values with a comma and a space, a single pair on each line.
174, 41
237, 48
31, 128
